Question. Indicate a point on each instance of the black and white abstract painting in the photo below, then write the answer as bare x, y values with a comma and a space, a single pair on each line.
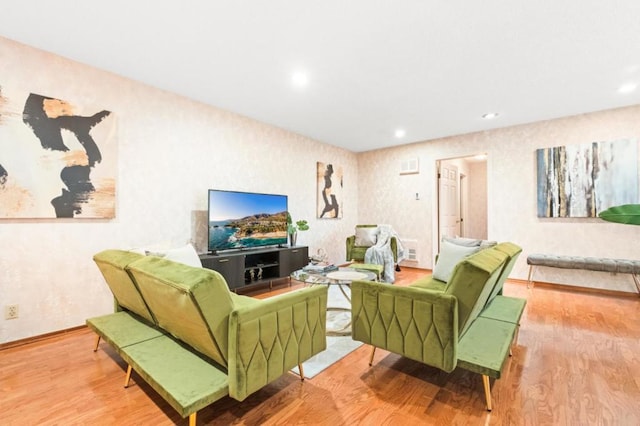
57, 158
583, 180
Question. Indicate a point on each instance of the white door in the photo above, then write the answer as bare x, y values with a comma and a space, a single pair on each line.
449, 206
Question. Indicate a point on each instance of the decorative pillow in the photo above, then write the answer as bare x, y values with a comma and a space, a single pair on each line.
449, 256
487, 244
461, 241
470, 242
139, 251
366, 237
185, 254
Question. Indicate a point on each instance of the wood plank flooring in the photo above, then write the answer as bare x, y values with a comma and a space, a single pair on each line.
577, 362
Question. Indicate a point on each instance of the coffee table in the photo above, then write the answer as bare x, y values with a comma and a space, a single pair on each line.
342, 278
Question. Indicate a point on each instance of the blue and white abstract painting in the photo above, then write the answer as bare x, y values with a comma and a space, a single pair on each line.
583, 180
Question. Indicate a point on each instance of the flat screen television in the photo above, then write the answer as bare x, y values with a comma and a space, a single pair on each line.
241, 220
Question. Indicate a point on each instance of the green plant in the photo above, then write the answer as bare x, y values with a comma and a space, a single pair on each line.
300, 225
626, 213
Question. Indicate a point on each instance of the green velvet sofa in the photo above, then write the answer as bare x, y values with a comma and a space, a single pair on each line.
193, 340
465, 322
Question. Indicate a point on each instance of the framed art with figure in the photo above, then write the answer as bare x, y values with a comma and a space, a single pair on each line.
329, 204
58, 159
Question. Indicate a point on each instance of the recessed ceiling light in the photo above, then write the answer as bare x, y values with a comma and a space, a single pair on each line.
300, 79
627, 88
400, 133
490, 115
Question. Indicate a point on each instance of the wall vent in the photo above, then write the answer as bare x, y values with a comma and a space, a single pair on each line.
410, 249
409, 166
412, 255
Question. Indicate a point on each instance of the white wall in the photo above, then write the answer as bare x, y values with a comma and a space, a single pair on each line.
477, 201
171, 150
511, 187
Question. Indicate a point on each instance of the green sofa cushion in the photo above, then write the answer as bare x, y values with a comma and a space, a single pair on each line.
472, 281
485, 346
429, 283
186, 380
513, 251
112, 264
200, 295
505, 308
122, 329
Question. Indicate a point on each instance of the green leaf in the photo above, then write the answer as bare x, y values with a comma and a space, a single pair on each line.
626, 213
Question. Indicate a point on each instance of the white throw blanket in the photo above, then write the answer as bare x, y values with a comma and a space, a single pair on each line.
381, 254
388, 229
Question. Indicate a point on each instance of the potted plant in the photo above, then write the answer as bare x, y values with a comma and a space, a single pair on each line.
293, 228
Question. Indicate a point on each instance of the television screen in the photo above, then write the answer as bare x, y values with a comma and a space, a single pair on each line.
245, 220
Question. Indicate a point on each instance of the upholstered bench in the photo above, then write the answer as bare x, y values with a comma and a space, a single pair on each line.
616, 266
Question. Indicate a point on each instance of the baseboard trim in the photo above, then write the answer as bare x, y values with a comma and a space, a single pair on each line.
575, 288
41, 337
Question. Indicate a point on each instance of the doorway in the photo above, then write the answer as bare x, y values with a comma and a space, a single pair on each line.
462, 198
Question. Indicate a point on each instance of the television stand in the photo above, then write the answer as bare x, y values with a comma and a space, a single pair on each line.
246, 268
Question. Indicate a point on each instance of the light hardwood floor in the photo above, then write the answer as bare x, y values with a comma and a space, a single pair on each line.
577, 362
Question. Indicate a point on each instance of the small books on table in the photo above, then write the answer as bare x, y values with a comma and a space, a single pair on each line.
319, 269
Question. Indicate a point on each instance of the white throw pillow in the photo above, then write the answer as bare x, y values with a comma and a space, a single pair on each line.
185, 254
470, 242
450, 255
462, 241
366, 237
139, 251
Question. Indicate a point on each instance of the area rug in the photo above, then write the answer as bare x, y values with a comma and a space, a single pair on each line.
337, 346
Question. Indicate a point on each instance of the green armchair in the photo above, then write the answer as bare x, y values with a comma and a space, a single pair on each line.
364, 238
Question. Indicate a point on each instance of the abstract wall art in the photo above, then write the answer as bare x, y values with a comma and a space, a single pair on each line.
585, 179
330, 203
57, 159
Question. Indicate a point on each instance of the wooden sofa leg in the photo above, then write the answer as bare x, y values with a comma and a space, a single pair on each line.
127, 377
373, 352
97, 343
301, 372
487, 390
192, 419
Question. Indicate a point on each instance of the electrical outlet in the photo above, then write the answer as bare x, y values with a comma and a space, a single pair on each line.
11, 312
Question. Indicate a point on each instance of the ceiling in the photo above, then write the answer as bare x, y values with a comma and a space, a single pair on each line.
431, 68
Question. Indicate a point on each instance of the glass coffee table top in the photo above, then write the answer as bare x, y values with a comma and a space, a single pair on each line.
338, 311
339, 276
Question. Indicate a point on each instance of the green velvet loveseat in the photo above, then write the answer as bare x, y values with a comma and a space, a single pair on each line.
194, 341
465, 322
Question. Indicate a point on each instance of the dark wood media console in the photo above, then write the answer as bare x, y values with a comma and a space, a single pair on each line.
260, 266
